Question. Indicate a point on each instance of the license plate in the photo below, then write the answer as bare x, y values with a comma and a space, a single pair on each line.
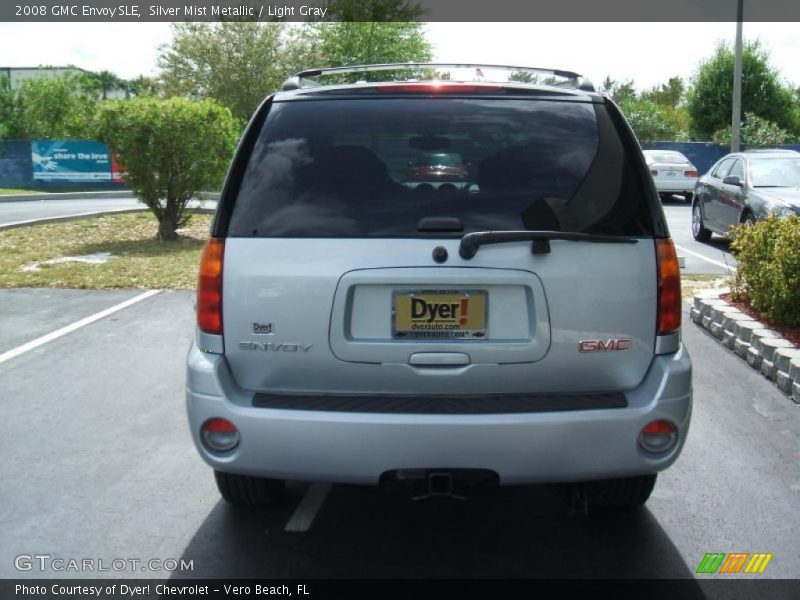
671, 173
439, 314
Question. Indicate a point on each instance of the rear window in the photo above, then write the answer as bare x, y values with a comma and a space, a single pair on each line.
349, 168
670, 158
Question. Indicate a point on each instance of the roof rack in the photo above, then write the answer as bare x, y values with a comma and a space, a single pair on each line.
301, 80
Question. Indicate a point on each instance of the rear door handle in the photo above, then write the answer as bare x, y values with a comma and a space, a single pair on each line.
439, 359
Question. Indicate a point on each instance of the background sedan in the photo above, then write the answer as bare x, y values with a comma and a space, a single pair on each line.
672, 173
746, 187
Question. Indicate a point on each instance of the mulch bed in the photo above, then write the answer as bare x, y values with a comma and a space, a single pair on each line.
789, 333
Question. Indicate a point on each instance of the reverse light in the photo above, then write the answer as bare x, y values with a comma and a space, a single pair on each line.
669, 287
658, 437
209, 287
220, 435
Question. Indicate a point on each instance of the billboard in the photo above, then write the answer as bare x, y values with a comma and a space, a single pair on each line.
70, 161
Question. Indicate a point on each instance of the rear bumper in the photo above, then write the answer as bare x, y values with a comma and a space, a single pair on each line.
352, 447
676, 186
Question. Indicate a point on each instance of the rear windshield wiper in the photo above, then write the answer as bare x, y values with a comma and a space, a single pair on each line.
541, 240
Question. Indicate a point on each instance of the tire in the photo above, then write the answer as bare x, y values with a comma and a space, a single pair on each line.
699, 231
626, 493
243, 490
749, 219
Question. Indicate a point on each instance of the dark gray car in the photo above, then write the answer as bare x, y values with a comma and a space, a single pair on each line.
746, 187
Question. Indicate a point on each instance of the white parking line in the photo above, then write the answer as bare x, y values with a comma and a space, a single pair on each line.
6, 356
705, 258
308, 508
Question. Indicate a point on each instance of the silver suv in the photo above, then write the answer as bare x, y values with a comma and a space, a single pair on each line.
522, 323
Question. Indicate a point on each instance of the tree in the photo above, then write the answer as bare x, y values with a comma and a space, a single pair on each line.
106, 82
236, 63
756, 133
355, 43
667, 94
619, 91
142, 86
55, 107
9, 111
170, 149
652, 122
710, 100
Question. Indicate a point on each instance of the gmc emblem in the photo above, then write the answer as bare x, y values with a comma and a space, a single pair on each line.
608, 346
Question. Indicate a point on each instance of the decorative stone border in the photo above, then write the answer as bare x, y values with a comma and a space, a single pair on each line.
763, 349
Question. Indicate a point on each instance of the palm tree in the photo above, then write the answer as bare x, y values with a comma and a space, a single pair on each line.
107, 82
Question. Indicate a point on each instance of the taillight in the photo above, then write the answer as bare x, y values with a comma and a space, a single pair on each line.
691, 174
209, 287
653, 171
669, 287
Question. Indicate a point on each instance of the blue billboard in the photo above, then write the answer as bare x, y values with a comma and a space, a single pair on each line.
70, 161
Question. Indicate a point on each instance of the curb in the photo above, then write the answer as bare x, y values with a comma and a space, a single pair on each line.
762, 348
87, 215
67, 196
106, 195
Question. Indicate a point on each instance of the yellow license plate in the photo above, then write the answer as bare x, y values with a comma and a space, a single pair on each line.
439, 314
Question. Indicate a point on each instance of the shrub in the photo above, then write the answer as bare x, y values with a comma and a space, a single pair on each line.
171, 149
768, 275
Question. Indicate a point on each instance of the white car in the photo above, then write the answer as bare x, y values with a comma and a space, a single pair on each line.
672, 173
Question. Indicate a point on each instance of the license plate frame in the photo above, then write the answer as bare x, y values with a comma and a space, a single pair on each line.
441, 318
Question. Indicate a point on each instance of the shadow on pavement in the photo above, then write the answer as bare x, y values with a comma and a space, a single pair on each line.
364, 532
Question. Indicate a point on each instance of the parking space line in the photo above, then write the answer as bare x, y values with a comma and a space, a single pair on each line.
40, 341
705, 258
308, 508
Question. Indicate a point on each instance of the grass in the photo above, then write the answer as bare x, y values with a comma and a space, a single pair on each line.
139, 260
15, 192
693, 283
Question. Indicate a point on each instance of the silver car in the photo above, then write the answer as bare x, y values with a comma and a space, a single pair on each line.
354, 327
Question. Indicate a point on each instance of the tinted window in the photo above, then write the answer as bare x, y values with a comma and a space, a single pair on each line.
341, 168
775, 172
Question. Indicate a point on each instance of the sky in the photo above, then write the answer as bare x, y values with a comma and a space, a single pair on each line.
647, 53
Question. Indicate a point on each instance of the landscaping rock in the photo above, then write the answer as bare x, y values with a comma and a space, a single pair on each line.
764, 349
744, 329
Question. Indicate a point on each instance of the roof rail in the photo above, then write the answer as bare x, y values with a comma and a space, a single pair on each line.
301, 80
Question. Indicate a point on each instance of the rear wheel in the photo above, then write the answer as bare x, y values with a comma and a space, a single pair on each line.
699, 232
243, 490
629, 492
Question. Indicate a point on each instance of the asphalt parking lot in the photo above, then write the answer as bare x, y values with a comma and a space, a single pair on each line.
98, 463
